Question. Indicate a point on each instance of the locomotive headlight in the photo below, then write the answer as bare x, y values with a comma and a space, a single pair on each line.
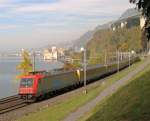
30, 96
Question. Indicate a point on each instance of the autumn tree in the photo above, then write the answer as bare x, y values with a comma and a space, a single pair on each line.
26, 65
106, 42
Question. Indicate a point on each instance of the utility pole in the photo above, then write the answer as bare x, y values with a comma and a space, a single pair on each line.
85, 71
118, 60
106, 58
129, 59
34, 61
121, 56
85, 64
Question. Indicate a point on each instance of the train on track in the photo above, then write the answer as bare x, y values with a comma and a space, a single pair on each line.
40, 84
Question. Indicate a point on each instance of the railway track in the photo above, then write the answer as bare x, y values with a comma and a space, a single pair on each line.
9, 99
11, 103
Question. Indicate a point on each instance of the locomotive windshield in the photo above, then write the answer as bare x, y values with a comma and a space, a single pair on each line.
26, 82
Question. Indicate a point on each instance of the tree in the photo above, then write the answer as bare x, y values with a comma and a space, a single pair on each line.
124, 47
26, 65
144, 40
144, 6
106, 42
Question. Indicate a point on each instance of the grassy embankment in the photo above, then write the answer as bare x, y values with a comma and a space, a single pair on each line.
130, 103
63, 108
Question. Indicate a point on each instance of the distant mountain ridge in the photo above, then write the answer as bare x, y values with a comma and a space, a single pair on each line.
85, 38
129, 13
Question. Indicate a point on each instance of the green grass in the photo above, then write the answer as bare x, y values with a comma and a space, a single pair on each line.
63, 108
130, 103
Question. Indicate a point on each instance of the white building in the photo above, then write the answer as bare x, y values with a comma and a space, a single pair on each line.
114, 28
54, 49
53, 53
123, 24
47, 55
50, 54
61, 51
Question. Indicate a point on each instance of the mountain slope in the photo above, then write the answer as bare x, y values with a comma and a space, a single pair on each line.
130, 12
84, 39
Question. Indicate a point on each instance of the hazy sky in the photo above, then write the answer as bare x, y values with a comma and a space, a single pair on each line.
35, 23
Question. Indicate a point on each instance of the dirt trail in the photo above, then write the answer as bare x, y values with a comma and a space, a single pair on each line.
74, 116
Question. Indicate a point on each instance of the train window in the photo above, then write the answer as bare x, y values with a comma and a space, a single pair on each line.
26, 82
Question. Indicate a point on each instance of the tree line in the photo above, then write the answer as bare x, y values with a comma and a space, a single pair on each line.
144, 6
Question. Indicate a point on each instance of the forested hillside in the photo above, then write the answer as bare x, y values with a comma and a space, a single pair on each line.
109, 38
108, 41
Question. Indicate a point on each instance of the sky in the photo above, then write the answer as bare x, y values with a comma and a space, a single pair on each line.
36, 23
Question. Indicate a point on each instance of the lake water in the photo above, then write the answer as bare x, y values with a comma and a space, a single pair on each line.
8, 83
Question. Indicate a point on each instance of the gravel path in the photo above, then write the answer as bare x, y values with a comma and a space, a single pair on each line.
75, 116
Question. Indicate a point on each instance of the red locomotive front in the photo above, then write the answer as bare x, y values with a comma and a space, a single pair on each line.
28, 87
